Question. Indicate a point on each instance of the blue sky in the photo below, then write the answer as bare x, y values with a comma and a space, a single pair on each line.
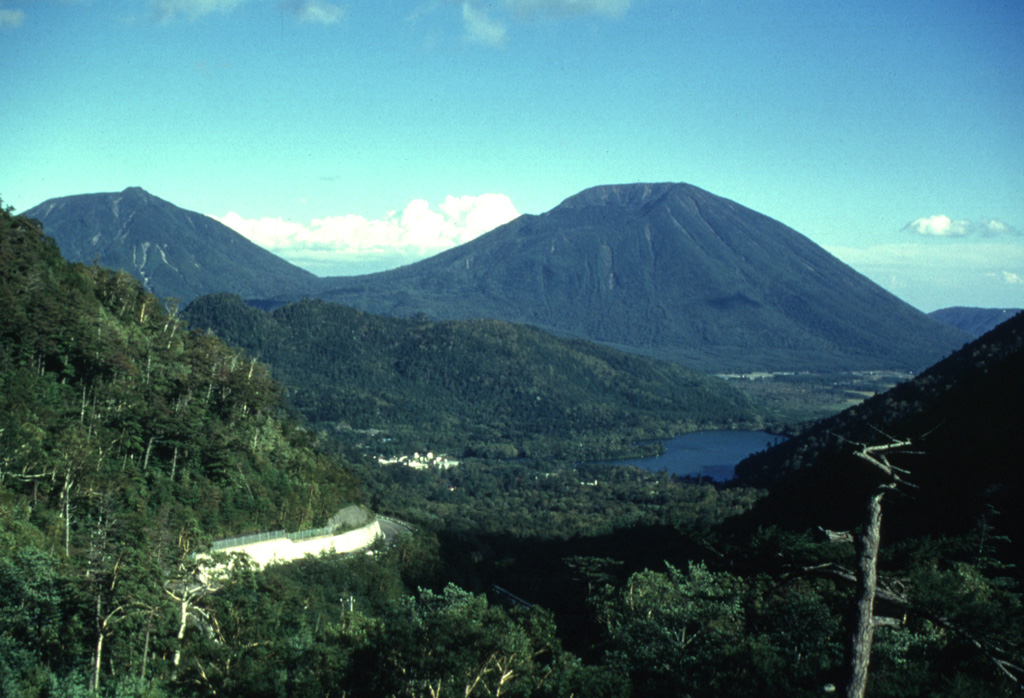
349, 135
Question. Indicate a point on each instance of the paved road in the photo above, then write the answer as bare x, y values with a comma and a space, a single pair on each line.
393, 530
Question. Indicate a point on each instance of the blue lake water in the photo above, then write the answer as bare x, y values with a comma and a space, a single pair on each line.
711, 454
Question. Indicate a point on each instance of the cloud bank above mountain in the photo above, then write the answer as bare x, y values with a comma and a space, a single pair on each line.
353, 244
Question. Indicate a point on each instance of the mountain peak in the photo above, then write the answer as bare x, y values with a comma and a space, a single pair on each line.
637, 194
668, 270
173, 252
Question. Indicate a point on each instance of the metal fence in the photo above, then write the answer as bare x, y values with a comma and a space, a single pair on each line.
276, 535
246, 540
314, 533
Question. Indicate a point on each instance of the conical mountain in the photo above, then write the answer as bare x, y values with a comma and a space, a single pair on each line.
667, 270
173, 252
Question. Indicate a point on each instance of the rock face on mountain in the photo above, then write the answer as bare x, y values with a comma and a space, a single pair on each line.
174, 252
667, 270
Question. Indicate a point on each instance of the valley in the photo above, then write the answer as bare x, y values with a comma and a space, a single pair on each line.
471, 388
134, 434
511, 349
796, 397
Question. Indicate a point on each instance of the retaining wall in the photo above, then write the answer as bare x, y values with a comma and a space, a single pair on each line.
275, 550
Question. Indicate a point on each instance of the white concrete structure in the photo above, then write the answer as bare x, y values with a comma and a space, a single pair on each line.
284, 549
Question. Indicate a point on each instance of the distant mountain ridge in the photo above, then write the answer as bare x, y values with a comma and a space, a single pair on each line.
974, 321
667, 270
175, 253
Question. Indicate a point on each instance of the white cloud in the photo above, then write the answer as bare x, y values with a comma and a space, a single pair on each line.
487, 22
11, 18
167, 10
993, 228
480, 28
416, 232
570, 7
1011, 278
941, 225
310, 11
315, 11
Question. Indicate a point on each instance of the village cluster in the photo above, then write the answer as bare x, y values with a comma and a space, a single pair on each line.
420, 462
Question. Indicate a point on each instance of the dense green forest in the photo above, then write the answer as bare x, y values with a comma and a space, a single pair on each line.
128, 442
472, 388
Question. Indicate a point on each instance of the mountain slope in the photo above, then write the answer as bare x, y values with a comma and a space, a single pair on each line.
667, 270
963, 416
104, 397
478, 387
126, 444
974, 321
175, 253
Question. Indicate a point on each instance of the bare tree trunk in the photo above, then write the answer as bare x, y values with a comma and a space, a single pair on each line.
862, 634
96, 666
65, 494
149, 450
145, 649
100, 635
181, 635
867, 582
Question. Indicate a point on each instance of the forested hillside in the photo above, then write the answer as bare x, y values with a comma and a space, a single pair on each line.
963, 418
127, 442
473, 388
974, 321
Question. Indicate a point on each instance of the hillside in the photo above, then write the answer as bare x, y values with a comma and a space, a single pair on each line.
974, 321
478, 387
963, 416
666, 270
99, 382
126, 444
174, 253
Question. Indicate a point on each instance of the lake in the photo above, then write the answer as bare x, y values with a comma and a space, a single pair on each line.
711, 454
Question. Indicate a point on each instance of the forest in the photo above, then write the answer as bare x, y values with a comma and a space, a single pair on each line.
129, 441
471, 388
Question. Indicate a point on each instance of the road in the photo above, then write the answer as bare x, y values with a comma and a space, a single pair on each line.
393, 529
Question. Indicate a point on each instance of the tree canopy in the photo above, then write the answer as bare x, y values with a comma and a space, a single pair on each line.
480, 387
